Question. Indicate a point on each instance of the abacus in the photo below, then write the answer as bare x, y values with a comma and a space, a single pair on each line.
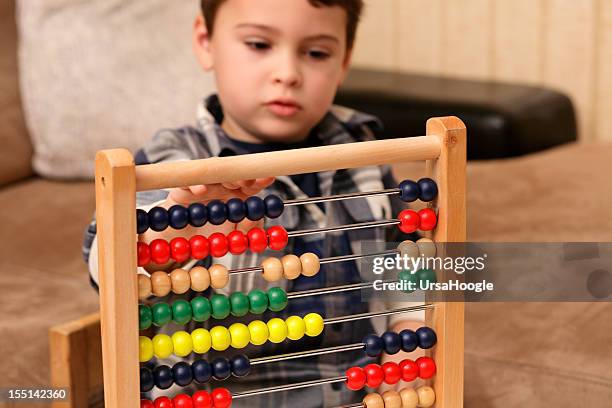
117, 181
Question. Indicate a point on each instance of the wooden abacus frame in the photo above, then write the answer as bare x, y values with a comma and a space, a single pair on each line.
118, 180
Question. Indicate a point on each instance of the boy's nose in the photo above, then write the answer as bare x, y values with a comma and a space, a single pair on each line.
287, 72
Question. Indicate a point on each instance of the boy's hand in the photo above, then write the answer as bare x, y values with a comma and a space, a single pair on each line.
224, 191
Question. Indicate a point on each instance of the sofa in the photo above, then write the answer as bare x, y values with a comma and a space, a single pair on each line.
516, 354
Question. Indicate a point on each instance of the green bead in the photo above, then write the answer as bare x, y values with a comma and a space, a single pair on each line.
406, 276
239, 304
162, 313
426, 275
277, 299
181, 311
220, 306
200, 307
145, 317
258, 301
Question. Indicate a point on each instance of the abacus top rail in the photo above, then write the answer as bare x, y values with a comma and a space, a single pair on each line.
287, 162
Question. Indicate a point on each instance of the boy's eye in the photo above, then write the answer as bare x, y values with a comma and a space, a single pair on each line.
257, 45
318, 54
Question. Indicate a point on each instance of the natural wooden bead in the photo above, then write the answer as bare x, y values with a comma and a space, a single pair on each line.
408, 249
219, 276
427, 247
272, 269
200, 278
392, 399
160, 283
292, 267
409, 397
373, 400
180, 281
144, 286
427, 396
310, 264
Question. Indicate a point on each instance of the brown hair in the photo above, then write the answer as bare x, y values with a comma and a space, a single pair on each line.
353, 10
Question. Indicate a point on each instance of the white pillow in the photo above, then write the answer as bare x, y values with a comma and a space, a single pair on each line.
102, 74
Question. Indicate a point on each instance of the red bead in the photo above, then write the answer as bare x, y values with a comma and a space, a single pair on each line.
182, 401
374, 375
163, 402
179, 249
221, 398
145, 403
202, 399
218, 244
199, 247
160, 251
428, 219
355, 378
277, 237
409, 221
238, 242
392, 372
409, 369
144, 254
427, 367
258, 240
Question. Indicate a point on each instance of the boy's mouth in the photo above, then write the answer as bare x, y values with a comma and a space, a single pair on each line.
283, 107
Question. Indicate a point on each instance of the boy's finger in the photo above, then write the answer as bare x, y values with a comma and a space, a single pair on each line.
231, 186
199, 189
258, 185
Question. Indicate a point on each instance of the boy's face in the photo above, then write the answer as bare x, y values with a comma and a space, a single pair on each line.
277, 63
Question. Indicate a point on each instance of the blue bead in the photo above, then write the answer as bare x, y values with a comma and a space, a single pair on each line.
201, 371
182, 373
428, 189
158, 219
392, 342
409, 191
146, 379
217, 212
178, 216
409, 340
236, 210
274, 206
142, 221
221, 369
426, 337
162, 376
198, 214
255, 208
373, 345
241, 366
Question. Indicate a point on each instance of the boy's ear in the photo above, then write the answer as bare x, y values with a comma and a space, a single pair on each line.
346, 64
201, 43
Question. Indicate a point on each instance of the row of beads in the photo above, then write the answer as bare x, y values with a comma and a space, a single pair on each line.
218, 398
199, 279
422, 397
220, 306
217, 245
215, 212
373, 375
407, 340
237, 335
425, 189
411, 221
200, 371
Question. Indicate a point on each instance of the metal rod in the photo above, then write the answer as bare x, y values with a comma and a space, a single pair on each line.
315, 200
298, 354
350, 318
288, 387
332, 289
349, 227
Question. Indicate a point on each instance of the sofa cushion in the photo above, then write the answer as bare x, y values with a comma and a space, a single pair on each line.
16, 151
101, 74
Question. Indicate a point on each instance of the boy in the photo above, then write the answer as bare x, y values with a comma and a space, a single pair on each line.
277, 65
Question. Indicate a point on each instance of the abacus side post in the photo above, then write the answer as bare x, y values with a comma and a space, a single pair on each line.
447, 318
116, 226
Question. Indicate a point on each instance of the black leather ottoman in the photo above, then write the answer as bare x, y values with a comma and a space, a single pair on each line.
503, 120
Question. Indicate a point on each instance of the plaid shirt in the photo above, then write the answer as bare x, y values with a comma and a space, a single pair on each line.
340, 125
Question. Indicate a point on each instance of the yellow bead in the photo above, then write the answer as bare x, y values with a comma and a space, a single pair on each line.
314, 324
427, 396
220, 338
162, 346
201, 340
295, 327
145, 349
183, 345
240, 335
258, 331
277, 329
